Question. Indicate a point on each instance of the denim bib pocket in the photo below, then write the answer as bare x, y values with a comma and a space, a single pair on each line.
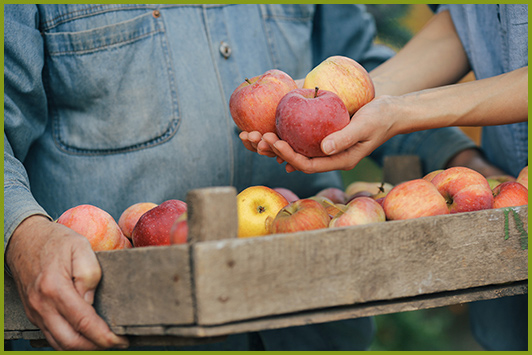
288, 29
111, 89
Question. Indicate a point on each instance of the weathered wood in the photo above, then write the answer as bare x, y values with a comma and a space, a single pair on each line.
399, 168
212, 214
256, 277
312, 316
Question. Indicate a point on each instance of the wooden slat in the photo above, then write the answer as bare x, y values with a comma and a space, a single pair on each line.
271, 275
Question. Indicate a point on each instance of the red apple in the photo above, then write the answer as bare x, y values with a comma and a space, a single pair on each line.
464, 189
510, 194
253, 103
376, 189
287, 193
131, 215
96, 225
179, 230
300, 215
522, 178
413, 199
361, 210
334, 194
153, 227
305, 116
346, 78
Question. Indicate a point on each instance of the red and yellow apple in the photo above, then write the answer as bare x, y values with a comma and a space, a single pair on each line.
495, 180
131, 215
95, 224
179, 230
300, 215
153, 227
361, 210
464, 189
346, 78
522, 178
305, 116
432, 174
256, 208
254, 102
413, 199
510, 194
375, 189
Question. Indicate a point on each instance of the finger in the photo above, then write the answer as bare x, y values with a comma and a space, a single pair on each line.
264, 148
342, 139
82, 323
254, 137
86, 271
62, 336
247, 144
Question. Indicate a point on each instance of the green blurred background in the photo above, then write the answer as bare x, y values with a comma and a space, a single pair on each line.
437, 329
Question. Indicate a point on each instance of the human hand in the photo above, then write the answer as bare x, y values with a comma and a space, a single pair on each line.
369, 127
472, 158
56, 273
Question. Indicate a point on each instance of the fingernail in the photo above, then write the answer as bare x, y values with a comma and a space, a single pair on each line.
329, 147
89, 297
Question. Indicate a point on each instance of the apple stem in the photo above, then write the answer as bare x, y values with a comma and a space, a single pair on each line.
381, 188
316, 89
247, 80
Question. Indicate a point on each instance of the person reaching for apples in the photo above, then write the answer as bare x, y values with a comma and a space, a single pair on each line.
419, 89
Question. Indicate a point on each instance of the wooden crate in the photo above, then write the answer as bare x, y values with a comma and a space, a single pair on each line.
218, 284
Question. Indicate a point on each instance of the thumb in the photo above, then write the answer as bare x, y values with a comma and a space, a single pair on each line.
340, 140
86, 272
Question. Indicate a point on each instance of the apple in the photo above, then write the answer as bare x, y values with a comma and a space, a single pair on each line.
256, 208
361, 210
334, 194
131, 215
153, 227
301, 215
253, 103
287, 193
346, 78
413, 199
179, 230
464, 189
367, 188
432, 174
522, 178
305, 116
495, 180
95, 224
510, 194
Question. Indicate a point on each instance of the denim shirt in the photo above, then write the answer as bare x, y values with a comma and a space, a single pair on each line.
112, 105
495, 38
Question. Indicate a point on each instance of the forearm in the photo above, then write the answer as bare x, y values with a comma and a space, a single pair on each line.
434, 57
498, 100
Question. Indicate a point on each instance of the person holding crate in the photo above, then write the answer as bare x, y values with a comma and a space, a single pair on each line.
114, 104
416, 90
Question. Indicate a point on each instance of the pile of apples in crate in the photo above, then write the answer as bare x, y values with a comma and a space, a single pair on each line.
272, 102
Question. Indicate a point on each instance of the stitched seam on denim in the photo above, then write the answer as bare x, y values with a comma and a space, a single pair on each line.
269, 36
63, 18
96, 49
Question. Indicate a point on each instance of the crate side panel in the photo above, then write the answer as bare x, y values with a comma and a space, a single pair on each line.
242, 279
145, 286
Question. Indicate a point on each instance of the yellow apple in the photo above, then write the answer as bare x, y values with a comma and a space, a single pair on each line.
374, 189
346, 78
257, 206
522, 178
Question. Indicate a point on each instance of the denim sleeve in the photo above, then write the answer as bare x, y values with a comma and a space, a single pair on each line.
435, 147
347, 30
25, 110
